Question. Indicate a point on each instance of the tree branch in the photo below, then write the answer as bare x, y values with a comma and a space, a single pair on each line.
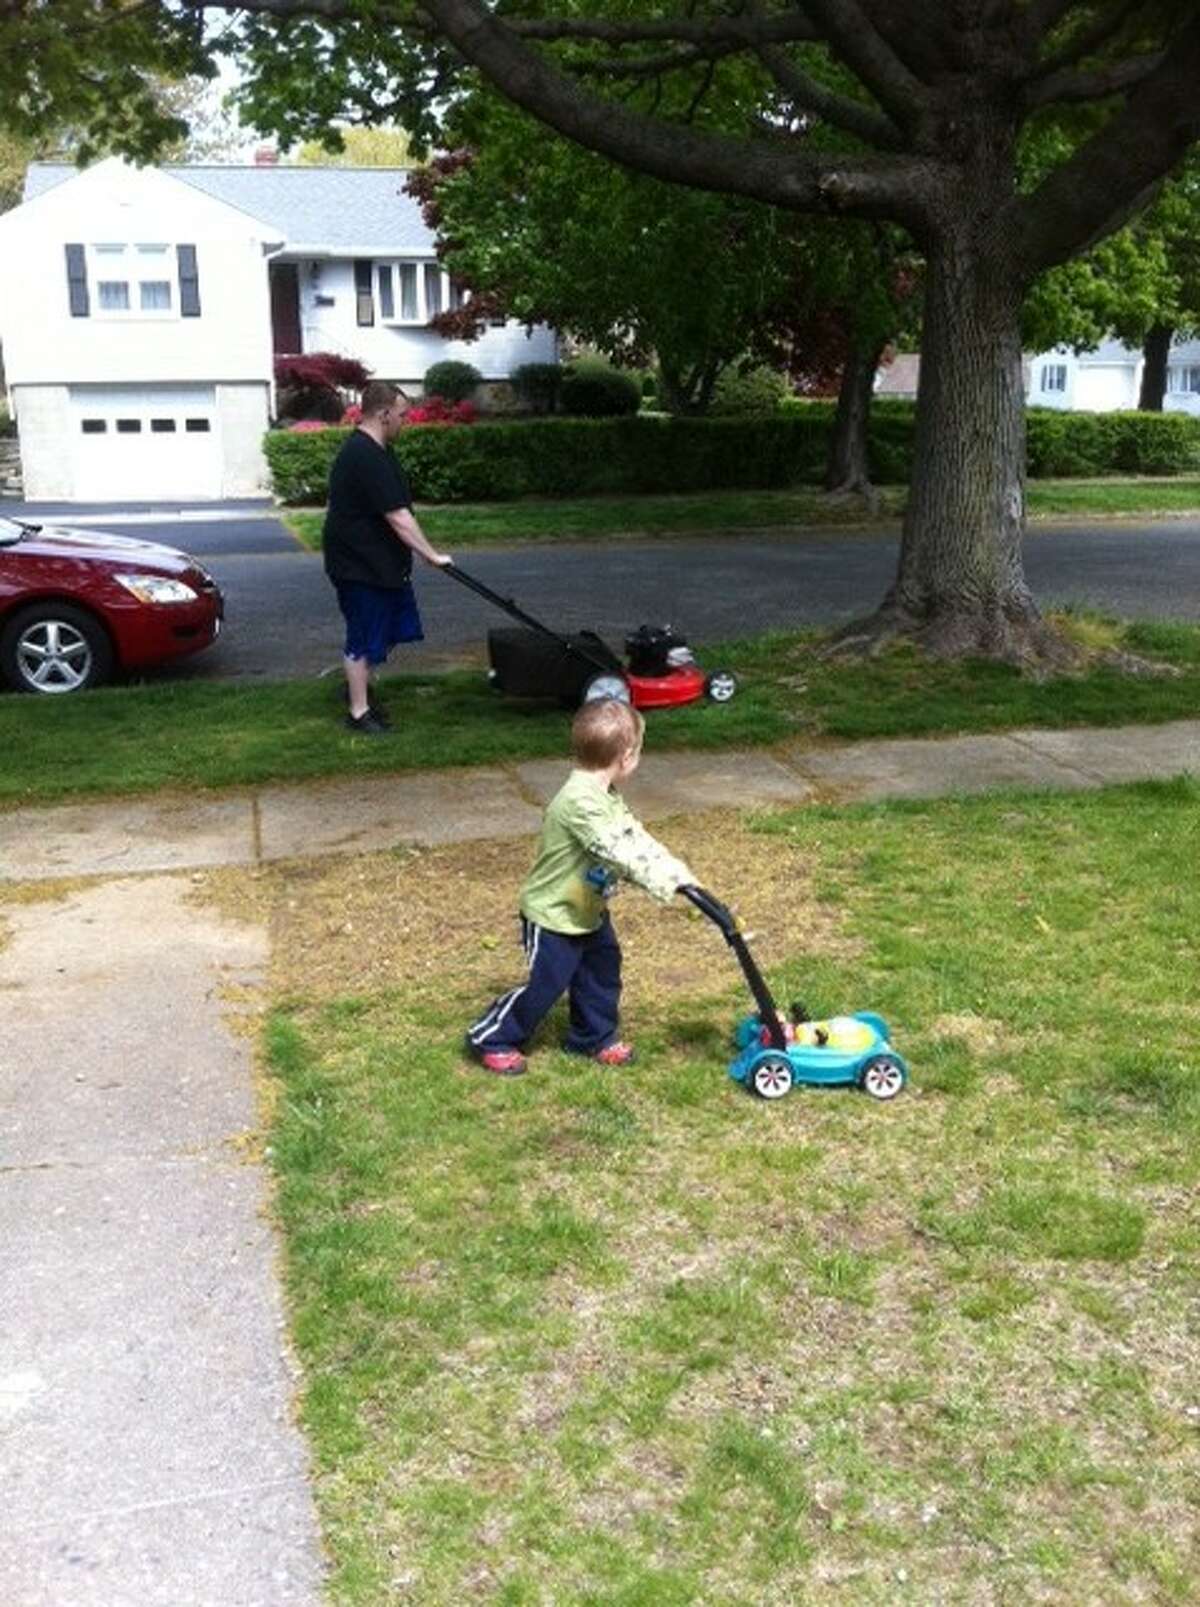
747, 30
1095, 191
810, 181
855, 40
1087, 41
1068, 85
808, 95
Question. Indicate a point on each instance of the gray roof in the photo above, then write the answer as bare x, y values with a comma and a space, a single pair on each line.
335, 208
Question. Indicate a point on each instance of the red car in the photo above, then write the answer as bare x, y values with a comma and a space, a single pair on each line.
77, 606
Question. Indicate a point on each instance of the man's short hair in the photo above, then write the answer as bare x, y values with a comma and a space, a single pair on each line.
603, 731
378, 396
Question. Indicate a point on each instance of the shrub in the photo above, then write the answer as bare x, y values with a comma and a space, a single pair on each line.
1061, 443
748, 393
8, 424
537, 386
592, 388
562, 457
311, 385
452, 381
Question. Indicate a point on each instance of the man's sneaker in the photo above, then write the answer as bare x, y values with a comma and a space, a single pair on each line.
615, 1054
367, 725
377, 709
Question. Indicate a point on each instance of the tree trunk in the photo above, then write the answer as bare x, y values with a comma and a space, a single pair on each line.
847, 471
1155, 350
960, 589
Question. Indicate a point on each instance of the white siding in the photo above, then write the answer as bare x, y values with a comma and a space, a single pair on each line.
43, 344
397, 351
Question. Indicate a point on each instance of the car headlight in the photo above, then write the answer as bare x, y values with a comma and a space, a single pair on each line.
156, 589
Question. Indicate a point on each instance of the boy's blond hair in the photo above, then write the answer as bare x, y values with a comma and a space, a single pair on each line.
603, 731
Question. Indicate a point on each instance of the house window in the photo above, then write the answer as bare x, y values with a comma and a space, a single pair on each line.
129, 426
132, 281
94, 426
433, 290
162, 426
1054, 377
1184, 381
197, 426
407, 272
415, 292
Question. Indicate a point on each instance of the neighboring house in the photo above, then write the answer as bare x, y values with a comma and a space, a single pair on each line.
1105, 380
1110, 378
141, 310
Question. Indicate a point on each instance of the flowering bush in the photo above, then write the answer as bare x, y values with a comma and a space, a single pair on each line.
311, 385
303, 424
352, 417
436, 410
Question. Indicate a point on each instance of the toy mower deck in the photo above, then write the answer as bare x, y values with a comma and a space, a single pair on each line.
774, 1056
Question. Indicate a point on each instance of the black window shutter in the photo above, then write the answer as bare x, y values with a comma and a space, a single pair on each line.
189, 282
77, 285
364, 295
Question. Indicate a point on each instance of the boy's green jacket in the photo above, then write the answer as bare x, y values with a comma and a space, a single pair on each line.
588, 828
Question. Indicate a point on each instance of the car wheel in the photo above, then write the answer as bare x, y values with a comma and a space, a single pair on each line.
882, 1077
772, 1077
721, 686
607, 686
54, 648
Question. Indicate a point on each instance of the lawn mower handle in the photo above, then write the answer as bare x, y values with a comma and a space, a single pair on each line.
724, 921
510, 608
456, 572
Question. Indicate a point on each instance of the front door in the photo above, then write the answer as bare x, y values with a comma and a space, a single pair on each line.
285, 308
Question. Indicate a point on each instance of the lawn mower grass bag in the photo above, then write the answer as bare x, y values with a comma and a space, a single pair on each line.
528, 663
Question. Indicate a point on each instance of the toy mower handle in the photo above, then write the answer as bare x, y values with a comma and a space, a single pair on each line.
709, 905
723, 919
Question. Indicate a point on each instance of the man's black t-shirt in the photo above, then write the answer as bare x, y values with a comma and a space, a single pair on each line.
366, 483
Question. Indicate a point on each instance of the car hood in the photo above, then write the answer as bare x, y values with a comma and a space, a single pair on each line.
56, 541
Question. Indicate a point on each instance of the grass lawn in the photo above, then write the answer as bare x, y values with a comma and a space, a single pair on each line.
639, 1339
197, 734
723, 511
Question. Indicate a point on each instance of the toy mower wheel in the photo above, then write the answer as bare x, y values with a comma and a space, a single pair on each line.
772, 1077
607, 686
720, 686
882, 1077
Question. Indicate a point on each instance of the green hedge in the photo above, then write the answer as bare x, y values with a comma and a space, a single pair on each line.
563, 457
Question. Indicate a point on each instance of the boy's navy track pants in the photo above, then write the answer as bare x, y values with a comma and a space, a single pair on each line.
587, 969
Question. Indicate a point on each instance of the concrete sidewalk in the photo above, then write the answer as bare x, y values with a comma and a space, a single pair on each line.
148, 1453
347, 816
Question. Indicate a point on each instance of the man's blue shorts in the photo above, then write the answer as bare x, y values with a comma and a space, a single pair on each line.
377, 617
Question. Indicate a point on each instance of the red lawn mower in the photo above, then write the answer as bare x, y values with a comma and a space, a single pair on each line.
536, 662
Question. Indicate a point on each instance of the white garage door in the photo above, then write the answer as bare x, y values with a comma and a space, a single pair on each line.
144, 443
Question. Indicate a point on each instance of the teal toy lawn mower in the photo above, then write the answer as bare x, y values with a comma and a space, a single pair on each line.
775, 1055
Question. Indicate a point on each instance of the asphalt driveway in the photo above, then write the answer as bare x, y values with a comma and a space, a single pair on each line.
282, 621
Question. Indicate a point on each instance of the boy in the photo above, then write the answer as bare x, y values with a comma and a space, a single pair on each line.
588, 839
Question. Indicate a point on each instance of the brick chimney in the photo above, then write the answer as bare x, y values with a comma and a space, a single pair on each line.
266, 156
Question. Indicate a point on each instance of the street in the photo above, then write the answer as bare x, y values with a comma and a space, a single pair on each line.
282, 622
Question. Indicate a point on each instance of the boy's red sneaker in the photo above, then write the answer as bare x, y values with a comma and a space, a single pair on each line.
615, 1054
502, 1062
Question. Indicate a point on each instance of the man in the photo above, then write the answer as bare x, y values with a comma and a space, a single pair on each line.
370, 536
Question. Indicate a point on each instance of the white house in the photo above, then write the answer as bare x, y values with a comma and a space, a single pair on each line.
141, 311
1110, 378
